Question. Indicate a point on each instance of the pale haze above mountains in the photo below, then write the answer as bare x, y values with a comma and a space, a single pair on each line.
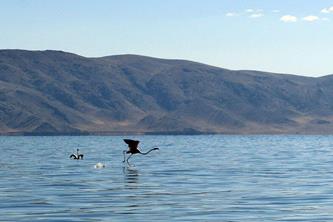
55, 92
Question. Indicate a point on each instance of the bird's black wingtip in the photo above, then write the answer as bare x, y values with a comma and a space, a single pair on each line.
131, 141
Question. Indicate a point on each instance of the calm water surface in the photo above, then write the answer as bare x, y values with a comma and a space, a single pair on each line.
191, 178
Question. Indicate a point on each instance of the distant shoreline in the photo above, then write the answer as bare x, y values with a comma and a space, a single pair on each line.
104, 133
159, 134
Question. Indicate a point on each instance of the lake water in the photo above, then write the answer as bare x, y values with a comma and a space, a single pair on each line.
191, 178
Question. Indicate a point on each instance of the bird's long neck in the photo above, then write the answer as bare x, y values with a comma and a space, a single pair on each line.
148, 151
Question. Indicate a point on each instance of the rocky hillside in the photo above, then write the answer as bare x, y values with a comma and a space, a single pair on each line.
54, 92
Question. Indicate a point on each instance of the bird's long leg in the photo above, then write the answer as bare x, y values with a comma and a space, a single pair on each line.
124, 156
128, 159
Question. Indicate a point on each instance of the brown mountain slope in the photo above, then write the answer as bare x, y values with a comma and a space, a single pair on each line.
57, 92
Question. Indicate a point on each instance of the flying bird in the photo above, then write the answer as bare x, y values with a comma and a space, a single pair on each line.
133, 149
76, 156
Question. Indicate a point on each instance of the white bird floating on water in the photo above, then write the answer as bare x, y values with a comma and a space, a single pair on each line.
99, 165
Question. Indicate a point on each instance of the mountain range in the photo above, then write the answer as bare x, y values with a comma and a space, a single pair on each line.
54, 92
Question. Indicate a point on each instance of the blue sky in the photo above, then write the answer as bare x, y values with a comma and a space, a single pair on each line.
294, 36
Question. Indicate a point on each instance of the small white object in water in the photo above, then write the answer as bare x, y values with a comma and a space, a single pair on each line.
99, 165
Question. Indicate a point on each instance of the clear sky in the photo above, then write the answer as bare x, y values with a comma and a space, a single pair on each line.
286, 36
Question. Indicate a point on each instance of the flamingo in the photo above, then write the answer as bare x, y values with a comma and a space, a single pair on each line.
133, 149
76, 156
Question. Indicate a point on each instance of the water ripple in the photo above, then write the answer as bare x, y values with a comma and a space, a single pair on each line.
191, 178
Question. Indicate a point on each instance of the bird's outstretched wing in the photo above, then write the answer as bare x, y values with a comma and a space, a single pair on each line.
132, 144
72, 156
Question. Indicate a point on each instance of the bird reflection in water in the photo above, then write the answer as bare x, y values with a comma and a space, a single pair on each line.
131, 176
